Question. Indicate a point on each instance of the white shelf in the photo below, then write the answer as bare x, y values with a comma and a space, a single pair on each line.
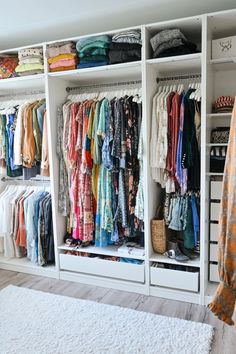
106, 251
25, 266
18, 84
106, 73
223, 64
215, 174
210, 145
163, 259
189, 63
219, 115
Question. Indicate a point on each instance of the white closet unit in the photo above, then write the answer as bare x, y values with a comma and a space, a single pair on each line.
217, 78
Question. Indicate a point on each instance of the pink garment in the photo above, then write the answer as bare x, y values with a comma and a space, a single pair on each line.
63, 62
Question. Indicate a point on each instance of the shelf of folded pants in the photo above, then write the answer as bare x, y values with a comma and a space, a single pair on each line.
105, 251
161, 258
122, 71
29, 82
188, 63
223, 64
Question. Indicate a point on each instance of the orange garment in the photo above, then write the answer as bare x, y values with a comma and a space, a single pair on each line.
61, 56
64, 68
45, 156
28, 146
21, 237
223, 303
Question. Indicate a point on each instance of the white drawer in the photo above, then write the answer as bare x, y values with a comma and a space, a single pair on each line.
213, 252
214, 232
177, 279
215, 211
102, 267
216, 189
214, 275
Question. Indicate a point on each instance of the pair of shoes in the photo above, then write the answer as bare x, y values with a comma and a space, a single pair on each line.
190, 253
175, 253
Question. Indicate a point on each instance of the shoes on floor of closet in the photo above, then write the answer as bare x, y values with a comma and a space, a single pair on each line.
191, 254
175, 253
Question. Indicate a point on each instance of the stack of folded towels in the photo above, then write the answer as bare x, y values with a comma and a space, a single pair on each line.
30, 61
93, 51
171, 42
8, 64
62, 56
125, 47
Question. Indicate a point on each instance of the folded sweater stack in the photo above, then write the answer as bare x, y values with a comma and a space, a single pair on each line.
8, 64
171, 42
30, 61
93, 51
125, 47
62, 56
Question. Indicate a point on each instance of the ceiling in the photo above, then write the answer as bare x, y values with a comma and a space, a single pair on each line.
26, 21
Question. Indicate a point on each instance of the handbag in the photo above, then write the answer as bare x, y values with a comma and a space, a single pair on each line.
217, 158
158, 232
220, 135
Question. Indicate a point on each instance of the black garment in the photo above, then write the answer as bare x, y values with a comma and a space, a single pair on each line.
124, 52
185, 48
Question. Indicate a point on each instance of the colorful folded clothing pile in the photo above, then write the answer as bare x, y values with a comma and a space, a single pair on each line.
30, 61
62, 56
171, 42
93, 51
125, 47
223, 104
8, 65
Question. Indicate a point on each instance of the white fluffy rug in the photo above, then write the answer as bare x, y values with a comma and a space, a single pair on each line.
34, 322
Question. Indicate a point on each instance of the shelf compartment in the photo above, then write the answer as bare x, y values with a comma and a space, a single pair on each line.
106, 251
214, 252
164, 259
181, 64
106, 73
214, 232
213, 273
17, 84
177, 279
101, 267
214, 211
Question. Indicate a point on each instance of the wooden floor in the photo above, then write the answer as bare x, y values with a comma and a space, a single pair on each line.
225, 336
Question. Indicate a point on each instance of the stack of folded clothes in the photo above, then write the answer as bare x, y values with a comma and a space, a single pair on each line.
171, 42
93, 51
62, 56
30, 61
125, 47
8, 64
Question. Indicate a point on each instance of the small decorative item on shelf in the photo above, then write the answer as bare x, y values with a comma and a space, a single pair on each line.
223, 104
224, 48
158, 232
220, 135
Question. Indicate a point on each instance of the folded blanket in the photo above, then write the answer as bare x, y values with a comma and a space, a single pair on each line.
63, 63
61, 56
8, 65
27, 67
61, 48
124, 52
63, 68
94, 52
28, 52
93, 58
91, 64
186, 48
129, 36
165, 36
31, 60
84, 42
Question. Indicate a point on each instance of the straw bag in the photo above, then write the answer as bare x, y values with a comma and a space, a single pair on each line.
158, 231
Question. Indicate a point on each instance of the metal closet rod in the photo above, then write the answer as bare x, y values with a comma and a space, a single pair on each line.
25, 93
181, 77
6, 179
97, 86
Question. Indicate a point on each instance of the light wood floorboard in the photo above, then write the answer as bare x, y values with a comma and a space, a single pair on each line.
225, 336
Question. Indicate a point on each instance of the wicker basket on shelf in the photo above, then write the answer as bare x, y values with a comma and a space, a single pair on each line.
158, 232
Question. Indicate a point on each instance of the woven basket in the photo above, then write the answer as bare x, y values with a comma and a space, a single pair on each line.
158, 231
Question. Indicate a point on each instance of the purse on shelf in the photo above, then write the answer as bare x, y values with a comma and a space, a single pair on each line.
220, 135
158, 232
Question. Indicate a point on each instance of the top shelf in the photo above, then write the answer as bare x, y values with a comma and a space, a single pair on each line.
22, 83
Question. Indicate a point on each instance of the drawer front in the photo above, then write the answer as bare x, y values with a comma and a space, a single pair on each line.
175, 279
105, 268
216, 190
214, 232
215, 211
214, 275
213, 252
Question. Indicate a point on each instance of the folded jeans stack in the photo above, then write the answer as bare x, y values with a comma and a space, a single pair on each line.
30, 61
62, 56
171, 42
8, 64
93, 51
125, 47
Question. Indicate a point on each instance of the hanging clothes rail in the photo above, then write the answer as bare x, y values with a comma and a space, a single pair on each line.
22, 94
105, 85
7, 179
175, 78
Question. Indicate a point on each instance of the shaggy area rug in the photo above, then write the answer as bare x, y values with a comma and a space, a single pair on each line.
34, 322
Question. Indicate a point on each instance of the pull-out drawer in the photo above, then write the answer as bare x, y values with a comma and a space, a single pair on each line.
215, 211
177, 279
216, 190
214, 232
214, 275
213, 252
102, 267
